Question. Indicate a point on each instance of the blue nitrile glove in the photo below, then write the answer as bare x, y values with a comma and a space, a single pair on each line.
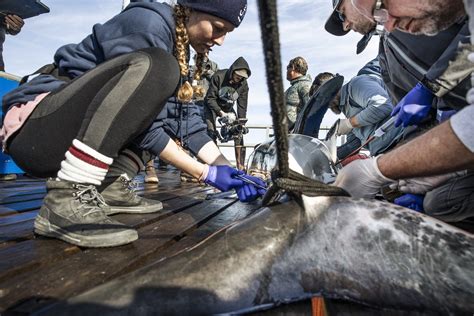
413, 201
222, 177
248, 192
414, 106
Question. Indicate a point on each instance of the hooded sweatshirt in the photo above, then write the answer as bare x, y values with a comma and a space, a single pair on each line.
140, 25
222, 94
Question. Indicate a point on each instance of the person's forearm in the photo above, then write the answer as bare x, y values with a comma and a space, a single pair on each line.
213, 106
436, 152
211, 155
354, 121
181, 160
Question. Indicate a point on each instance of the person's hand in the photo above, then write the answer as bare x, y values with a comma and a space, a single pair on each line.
230, 117
362, 178
422, 185
341, 127
248, 192
13, 24
344, 127
223, 178
412, 201
414, 106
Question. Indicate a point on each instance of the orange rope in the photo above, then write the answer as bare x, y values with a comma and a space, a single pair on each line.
317, 306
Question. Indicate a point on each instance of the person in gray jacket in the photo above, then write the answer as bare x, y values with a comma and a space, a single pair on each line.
366, 105
297, 94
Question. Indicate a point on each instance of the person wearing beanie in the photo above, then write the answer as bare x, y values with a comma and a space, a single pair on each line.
82, 120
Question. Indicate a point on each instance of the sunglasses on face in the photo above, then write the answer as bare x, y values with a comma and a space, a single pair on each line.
341, 16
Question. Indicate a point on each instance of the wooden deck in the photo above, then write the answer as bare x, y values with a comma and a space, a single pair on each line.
36, 272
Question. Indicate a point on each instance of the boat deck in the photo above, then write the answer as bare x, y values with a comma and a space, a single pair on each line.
36, 272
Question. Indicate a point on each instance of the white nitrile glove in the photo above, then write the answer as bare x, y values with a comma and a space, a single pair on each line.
231, 117
423, 185
362, 178
344, 128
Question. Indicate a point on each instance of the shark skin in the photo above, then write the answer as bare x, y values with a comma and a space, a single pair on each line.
365, 251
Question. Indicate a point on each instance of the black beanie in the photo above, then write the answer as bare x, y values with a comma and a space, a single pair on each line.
232, 11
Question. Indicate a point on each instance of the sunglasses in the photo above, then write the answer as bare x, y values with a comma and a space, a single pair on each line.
341, 16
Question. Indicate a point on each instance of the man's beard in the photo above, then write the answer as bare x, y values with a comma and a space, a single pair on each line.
440, 17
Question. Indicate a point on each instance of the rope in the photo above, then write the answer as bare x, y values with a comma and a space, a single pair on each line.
271, 49
283, 178
300, 184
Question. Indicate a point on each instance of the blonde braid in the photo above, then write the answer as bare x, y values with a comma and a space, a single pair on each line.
185, 92
198, 89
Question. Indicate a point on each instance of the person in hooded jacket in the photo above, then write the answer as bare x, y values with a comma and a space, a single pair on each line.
84, 120
227, 87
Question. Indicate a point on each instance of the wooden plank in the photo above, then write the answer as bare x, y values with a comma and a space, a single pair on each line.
31, 254
23, 230
21, 261
23, 190
229, 216
84, 270
22, 198
17, 218
20, 207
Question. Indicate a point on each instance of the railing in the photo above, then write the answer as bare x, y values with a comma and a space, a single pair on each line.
266, 132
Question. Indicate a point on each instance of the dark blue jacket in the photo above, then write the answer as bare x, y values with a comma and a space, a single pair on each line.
140, 25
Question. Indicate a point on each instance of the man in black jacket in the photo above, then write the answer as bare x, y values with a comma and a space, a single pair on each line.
227, 87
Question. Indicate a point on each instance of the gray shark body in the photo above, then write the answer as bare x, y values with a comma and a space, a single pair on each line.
359, 250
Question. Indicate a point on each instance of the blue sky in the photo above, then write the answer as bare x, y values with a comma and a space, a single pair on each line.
302, 33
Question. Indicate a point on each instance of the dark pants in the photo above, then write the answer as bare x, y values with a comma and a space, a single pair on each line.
452, 201
105, 108
348, 147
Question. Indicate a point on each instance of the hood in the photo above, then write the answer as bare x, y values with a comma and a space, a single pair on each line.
163, 9
239, 63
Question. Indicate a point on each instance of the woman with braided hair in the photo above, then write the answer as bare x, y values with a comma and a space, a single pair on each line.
89, 118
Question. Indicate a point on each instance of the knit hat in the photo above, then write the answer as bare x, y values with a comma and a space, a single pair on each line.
232, 11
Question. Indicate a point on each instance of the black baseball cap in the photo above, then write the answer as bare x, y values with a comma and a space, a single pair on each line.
334, 24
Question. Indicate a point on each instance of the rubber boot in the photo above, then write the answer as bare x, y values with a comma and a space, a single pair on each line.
76, 213
119, 193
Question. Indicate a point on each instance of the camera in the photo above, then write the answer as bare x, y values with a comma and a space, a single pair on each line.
232, 130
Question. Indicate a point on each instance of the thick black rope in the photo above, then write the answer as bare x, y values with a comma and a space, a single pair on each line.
271, 51
283, 178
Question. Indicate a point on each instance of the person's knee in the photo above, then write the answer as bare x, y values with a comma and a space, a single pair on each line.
162, 68
446, 208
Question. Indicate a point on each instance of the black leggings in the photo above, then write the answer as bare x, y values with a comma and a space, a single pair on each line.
105, 108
